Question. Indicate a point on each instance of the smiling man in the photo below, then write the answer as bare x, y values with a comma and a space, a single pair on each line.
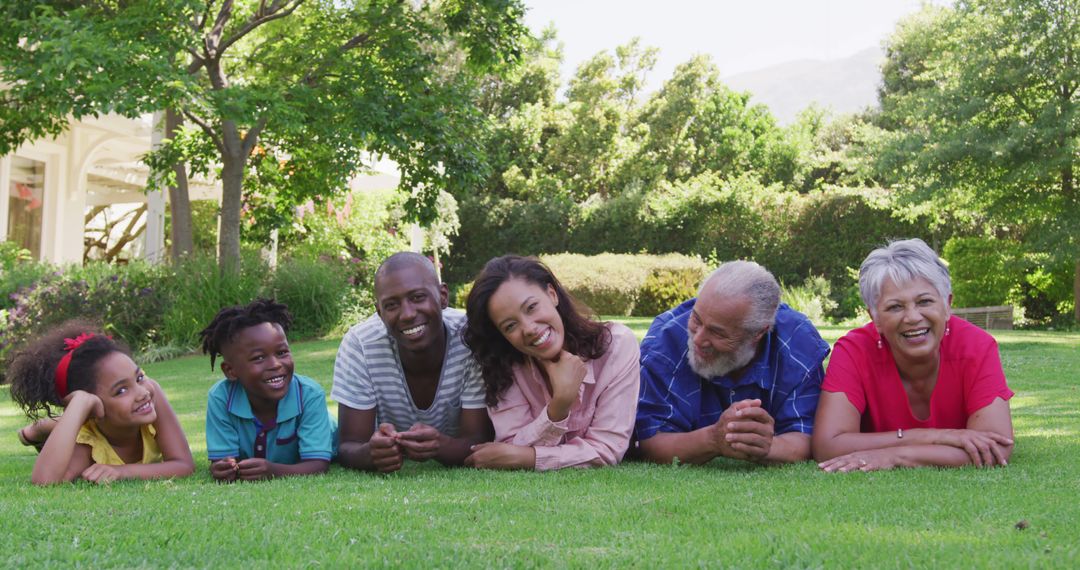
406, 386
732, 373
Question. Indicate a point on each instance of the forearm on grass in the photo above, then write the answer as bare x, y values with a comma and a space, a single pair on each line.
306, 467
356, 455
691, 447
53, 464
161, 470
790, 447
930, 456
454, 450
826, 448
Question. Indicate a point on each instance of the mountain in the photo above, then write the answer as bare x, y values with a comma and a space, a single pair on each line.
844, 85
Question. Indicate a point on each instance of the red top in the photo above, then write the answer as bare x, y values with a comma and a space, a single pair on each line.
969, 378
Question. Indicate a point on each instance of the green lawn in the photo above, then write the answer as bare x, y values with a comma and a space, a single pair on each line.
724, 514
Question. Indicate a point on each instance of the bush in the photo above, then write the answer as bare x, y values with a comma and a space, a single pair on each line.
494, 227
316, 291
159, 310
984, 271
127, 300
672, 279
197, 290
794, 236
363, 229
623, 284
1046, 292
608, 283
836, 229
459, 294
17, 271
812, 299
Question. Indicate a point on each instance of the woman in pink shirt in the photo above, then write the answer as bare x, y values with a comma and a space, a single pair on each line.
917, 386
562, 389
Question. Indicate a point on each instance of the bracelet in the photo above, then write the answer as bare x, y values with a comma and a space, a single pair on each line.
899, 433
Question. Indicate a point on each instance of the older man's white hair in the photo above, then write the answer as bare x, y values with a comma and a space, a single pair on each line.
746, 278
901, 261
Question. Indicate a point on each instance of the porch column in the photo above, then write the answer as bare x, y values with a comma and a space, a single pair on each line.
5, 189
154, 236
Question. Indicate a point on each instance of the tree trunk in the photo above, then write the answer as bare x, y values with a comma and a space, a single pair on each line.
181, 232
1068, 190
232, 186
1076, 293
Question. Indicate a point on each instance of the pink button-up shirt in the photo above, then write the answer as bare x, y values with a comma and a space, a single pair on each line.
597, 430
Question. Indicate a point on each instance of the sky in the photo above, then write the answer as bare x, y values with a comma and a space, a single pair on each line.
740, 35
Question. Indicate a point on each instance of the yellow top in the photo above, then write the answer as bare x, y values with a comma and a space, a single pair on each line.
101, 451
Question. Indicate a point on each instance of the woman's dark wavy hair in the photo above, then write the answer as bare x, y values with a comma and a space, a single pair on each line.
231, 320
31, 368
585, 337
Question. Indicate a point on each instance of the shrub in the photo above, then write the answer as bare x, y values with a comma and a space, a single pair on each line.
608, 283
131, 299
316, 291
984, 270
812, 299
672, 279
624, 284
363, 228
1046, 292
198, 289
126, 299
494, 227
20, 275
12, 254
459, 294
836, 229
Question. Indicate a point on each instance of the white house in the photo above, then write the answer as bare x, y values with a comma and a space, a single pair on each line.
48, 186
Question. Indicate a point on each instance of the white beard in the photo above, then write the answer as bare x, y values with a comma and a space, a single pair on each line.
722, 363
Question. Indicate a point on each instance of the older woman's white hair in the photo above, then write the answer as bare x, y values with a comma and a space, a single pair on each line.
901, 261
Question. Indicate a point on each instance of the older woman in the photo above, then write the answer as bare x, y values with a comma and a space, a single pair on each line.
917, 386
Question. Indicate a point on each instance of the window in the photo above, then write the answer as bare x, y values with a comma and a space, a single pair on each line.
25, 200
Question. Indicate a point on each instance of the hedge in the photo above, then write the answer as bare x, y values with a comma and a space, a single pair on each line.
796, 236
628, 285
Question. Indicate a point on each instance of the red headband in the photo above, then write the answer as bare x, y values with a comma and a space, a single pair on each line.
70, 344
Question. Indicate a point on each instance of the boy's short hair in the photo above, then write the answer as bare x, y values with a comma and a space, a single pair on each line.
231, 320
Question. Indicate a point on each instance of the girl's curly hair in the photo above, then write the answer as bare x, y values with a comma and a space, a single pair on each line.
231, 320
31, 368
585, 337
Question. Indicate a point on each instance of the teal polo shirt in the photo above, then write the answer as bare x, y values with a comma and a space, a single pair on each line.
302, 430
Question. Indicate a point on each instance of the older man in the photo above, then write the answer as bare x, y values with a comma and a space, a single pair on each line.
406, 385
733, 373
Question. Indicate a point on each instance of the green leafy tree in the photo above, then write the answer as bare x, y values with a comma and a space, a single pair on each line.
982, 102
304, 87
601, 98
520, 106
695, 124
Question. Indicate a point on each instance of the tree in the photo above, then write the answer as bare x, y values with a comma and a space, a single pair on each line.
298, 89
601, 99
64, 60
695, 124
984, 109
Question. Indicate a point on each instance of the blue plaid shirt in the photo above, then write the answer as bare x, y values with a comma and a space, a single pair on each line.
785, 375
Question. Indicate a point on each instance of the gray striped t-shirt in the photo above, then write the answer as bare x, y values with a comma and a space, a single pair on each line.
368, 374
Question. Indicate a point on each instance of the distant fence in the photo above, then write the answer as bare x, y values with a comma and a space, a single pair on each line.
987, 317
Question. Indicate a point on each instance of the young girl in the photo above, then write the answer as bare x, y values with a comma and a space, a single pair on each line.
562, 390
262, 421
116, 422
